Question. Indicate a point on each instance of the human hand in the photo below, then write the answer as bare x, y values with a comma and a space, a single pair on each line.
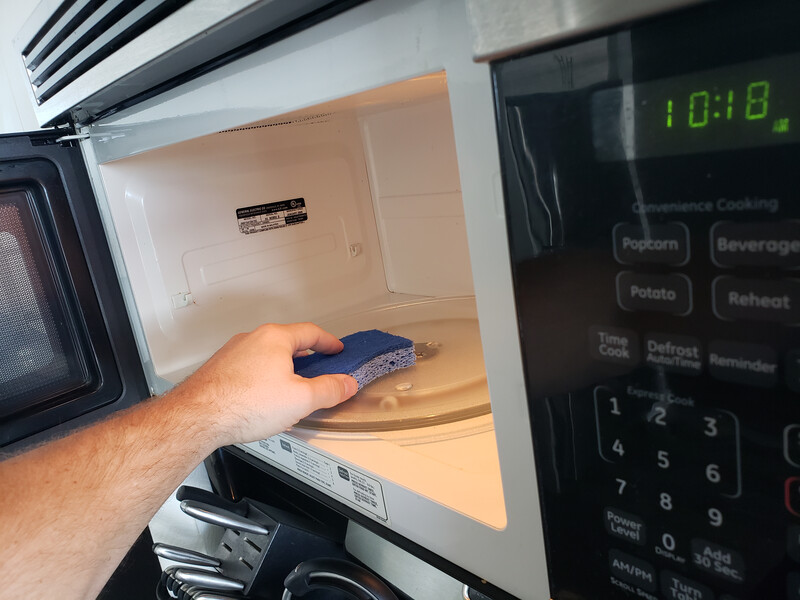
249, 388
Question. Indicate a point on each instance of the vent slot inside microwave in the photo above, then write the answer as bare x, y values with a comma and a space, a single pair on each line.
82, 33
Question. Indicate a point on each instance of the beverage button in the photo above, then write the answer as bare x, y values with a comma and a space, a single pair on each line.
632, 570
666, 244
660, 293
676, 353
793, 543
677, 587
791, 495
737, 362
718, 560
613, 344
625, 526
793, 586
775, 301
791, 444
793, 370
756, 244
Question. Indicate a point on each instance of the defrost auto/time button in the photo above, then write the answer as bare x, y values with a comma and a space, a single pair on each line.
659, 293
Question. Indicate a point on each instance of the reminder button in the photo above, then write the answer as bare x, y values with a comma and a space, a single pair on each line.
756, 244
777, 301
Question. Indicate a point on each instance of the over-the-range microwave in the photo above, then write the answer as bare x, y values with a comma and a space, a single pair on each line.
591, 233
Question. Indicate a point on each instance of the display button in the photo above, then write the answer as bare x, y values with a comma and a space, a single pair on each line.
756, 244
793, 586
793, 543
624, 525
660, 293
757, 300
718, 560
666, 244
676, 353
750, 364
791, 495
791, 444
632, 570
793, 370
615, 345
677, 587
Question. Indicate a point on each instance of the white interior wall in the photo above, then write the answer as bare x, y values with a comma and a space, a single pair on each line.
16, 103
416, 191
174, 210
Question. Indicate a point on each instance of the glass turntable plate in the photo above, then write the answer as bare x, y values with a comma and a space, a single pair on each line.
447, 384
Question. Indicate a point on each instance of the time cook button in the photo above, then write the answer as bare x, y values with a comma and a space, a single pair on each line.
777, 301
660, 293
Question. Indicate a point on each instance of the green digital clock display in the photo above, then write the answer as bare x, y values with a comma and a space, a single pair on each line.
747, 105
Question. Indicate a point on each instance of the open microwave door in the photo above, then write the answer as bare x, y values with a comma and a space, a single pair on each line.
67, 351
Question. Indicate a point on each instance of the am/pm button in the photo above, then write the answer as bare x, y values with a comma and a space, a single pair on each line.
776, 301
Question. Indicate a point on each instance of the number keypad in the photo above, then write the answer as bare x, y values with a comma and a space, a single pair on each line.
671, 442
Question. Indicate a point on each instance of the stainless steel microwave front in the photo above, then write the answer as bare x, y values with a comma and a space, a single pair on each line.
381, 123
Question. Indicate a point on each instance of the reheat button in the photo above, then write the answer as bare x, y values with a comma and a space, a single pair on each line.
756, 244
776, 301
666, 244
660, 293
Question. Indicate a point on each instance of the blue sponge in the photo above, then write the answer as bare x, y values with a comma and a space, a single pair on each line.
367, 355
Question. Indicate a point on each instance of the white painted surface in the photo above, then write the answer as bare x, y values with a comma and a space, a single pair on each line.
16, 109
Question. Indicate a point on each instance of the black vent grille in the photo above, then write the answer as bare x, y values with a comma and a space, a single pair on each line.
82, 33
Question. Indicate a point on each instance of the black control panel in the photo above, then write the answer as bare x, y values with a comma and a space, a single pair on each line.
652, 181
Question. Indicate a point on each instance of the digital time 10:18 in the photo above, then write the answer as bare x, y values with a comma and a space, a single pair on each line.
705, 106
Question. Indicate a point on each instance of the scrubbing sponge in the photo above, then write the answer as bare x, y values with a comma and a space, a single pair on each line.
367, 355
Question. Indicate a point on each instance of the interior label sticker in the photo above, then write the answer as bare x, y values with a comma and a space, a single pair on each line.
345, 483
275, 215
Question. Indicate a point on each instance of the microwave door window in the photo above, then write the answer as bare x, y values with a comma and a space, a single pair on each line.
38, 355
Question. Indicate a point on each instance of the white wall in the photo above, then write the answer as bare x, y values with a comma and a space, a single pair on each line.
16, 108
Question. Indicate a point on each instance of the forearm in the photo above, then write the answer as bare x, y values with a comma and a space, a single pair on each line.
74, 507
70, 510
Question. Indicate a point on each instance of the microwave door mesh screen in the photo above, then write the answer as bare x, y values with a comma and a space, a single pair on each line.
31, 352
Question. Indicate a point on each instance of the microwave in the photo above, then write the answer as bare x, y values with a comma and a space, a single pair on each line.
586, 218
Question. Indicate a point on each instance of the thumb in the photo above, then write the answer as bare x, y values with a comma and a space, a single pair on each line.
330, 390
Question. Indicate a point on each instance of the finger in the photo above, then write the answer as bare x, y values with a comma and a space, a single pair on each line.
307, 336
330, 390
